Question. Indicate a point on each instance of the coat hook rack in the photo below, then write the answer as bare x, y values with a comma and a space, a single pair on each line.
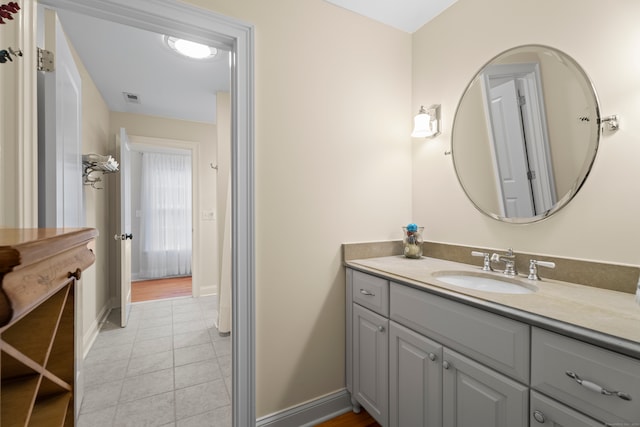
93, 163
8, 54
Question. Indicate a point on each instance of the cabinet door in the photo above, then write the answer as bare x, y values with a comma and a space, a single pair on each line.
415, 377
474, 395
371, 362
548, 412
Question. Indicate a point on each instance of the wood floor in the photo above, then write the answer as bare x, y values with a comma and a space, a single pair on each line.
363, 419
147, 290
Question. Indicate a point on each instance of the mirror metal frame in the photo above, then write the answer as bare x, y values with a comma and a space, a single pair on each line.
586, 168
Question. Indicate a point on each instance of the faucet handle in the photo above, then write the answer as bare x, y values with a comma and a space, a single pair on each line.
486, 266
533, 268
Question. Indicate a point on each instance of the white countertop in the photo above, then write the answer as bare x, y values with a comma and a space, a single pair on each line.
614, 314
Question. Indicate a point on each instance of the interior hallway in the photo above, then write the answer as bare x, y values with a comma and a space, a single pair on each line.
168, 367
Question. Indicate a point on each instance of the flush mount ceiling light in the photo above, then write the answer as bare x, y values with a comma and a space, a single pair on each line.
190, 49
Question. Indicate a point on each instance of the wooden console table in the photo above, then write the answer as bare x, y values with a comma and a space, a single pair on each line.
38, 271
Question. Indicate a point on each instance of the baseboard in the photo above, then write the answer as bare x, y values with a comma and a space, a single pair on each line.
310, 413
208, 290
90, 336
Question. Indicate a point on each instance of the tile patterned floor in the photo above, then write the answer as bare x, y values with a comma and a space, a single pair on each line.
168, 367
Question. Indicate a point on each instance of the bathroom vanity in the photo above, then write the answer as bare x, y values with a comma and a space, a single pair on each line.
421, 352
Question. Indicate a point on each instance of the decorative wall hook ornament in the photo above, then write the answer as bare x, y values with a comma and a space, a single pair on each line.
8, 10
8, 53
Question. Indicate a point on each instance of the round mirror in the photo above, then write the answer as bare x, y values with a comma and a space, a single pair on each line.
525, 134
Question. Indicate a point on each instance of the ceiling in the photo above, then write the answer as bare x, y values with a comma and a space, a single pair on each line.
121, 58
405, 15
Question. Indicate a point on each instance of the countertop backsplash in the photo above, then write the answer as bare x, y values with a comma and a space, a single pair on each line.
621, 278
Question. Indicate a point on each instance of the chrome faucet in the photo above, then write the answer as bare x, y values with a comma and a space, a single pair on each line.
509, 260
486, 264
533, 268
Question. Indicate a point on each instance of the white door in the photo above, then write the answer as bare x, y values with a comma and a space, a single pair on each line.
60, 192
124, 226
59, 134
510, 151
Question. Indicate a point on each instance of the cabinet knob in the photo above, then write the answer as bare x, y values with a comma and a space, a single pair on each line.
539, 417
446, 365
381, 328
75, 274
431, 356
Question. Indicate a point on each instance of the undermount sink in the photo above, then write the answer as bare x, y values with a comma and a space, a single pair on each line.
484, 282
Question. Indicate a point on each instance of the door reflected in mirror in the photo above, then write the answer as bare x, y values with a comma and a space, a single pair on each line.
525, 134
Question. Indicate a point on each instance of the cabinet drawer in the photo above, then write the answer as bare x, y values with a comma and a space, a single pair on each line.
493, 340
371, 292
552, 413
554, 356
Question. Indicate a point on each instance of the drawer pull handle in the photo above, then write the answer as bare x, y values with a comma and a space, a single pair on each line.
432, 356
446, 365
366, 292
381, 328
595, 387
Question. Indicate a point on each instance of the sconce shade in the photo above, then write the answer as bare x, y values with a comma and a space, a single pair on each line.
426, 123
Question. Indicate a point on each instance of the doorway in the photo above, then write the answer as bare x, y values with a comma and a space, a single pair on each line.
163, 209
187, 21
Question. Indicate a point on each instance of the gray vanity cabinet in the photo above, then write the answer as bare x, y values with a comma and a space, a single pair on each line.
371, 362
416, 359
547, 412
595, 381
415, 379
474, 395
369, 343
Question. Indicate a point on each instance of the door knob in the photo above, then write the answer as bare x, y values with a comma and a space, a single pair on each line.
123, 236
446, 365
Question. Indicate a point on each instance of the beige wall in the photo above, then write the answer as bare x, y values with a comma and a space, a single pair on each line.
205, 136
602, 222
333, 117
94, 289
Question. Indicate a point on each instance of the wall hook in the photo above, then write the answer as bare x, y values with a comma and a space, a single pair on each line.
613, 122
213, 166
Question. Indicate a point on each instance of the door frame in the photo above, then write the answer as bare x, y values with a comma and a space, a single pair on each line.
205, 26
534, 120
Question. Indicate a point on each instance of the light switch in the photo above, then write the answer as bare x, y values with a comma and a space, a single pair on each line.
208, 215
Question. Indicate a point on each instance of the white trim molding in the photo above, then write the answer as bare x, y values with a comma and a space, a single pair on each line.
310, 413
172, 17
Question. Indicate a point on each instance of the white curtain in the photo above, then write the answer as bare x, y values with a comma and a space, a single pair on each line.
166, 215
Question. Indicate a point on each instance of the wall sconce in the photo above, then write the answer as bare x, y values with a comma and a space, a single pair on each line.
427, 123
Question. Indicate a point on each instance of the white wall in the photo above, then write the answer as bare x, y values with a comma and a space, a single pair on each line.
333, 117
603, 221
